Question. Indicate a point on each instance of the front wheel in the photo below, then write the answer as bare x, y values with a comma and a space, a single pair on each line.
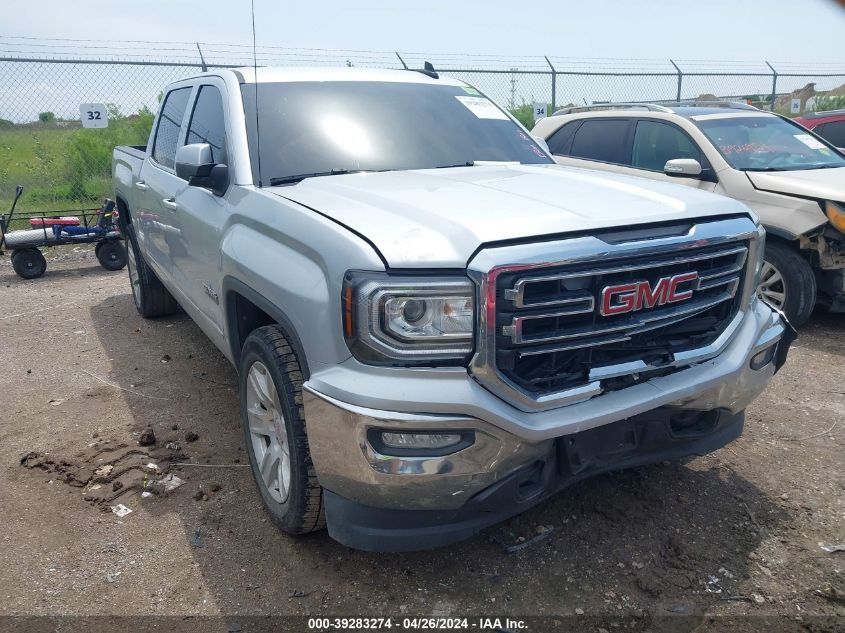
274, 431
788, 283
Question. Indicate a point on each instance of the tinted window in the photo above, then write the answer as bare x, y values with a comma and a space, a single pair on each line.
325, 126
602, 140
169, 122
766, 143
656, 142
208, 124
835, 133
559, 140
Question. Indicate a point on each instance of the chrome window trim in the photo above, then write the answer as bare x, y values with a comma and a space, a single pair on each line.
485, 268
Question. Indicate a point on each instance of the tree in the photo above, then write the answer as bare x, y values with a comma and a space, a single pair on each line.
47, 117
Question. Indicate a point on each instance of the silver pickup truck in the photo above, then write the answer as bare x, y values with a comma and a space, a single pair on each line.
435, 326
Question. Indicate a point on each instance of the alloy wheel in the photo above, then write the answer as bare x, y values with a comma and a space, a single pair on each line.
268, 432
772, 287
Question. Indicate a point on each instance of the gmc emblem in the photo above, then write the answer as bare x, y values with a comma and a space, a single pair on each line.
640, 294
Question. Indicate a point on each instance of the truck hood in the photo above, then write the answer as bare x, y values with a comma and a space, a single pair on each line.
439, 217
825, 184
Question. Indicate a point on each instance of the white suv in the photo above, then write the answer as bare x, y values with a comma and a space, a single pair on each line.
793, 179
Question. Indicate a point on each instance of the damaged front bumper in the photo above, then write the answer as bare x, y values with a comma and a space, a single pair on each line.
408, 501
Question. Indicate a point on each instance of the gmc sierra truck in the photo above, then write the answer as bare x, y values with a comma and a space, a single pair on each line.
435, 326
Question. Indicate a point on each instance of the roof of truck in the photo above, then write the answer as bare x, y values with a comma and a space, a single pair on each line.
279, 74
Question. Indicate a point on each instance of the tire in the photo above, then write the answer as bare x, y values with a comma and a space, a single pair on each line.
271, 411
111, 255
29, 263
788, 282
151, 298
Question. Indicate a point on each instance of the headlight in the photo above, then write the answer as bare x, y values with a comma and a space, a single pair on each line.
407, 320
836, 214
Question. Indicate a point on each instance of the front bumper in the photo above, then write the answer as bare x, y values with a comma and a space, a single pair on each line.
360, 482
643, 439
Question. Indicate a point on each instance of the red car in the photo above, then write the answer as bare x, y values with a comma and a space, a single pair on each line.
829, 125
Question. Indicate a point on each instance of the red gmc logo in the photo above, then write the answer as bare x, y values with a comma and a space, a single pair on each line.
640, 294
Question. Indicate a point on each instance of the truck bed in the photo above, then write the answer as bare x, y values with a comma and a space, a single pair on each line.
126, 167
136, 151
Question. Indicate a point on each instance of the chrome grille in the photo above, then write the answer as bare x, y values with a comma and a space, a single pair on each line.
546, 338
577, 323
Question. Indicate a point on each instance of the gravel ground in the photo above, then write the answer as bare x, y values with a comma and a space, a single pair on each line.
736, 533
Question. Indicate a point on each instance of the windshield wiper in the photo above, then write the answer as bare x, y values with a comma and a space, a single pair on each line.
479, 163
469, 163
792, 168
288, 180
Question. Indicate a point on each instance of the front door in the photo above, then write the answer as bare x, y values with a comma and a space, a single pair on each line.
201, 215
655, 143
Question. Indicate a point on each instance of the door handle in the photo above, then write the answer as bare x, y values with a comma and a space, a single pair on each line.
141, 185
170, 203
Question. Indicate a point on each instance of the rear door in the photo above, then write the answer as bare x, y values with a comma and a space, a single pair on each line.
654, 143
200, 215
593, 143
158, 183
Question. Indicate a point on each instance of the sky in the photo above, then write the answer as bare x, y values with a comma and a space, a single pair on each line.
803, 38
786, 30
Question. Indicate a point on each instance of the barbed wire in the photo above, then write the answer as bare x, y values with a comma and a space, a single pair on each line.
236, 52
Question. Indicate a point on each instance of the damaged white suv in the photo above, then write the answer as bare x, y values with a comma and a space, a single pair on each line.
793, 179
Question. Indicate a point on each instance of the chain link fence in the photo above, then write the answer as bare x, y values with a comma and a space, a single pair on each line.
44, 147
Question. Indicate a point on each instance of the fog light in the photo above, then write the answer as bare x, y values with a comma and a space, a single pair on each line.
420, 440
419, 443
761, 359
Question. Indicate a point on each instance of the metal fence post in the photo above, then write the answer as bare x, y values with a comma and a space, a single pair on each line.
202, 59
680, 80
554, 84
774, 84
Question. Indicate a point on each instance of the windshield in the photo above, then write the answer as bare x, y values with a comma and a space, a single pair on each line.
766, 143
321, 128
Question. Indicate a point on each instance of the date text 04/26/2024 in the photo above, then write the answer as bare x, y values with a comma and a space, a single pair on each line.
416, 624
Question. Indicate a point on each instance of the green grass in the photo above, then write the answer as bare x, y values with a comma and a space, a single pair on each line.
29, 157
63, 167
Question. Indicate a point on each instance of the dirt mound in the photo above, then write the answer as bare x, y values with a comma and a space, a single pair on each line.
804, 93
836, 92
107, 470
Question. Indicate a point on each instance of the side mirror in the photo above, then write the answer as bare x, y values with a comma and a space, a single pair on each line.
195, 164
193, 160
682, 168
542, 143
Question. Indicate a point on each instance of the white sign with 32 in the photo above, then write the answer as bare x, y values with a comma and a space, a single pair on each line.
94, 115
